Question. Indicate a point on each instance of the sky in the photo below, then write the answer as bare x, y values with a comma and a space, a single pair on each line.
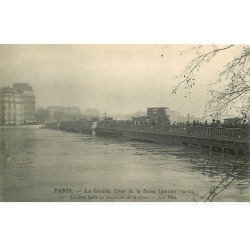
118, 79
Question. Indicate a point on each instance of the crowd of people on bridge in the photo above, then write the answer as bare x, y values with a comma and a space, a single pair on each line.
214, 124
126, 124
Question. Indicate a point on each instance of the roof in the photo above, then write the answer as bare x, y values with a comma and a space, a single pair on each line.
22, 86
158, 108
6, 90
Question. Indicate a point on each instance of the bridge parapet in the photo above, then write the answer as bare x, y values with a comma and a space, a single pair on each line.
235, 134
220, 133
238, 134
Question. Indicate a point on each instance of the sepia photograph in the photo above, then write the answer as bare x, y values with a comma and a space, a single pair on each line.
124, 123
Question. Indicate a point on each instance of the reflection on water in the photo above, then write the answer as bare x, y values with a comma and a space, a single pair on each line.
34, 162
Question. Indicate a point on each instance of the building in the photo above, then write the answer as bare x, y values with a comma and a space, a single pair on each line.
155, 115
59, 113
17, 105
65, 110
176, 117
91, 112
156, 111
11, 107
29, 103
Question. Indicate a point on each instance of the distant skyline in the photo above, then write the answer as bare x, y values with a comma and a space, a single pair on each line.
119, 79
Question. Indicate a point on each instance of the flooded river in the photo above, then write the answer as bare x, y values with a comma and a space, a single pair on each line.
47, 165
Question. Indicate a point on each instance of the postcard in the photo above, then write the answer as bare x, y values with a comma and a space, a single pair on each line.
133, 123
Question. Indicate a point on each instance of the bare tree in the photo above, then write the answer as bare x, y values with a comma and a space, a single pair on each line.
226, 180
233, 81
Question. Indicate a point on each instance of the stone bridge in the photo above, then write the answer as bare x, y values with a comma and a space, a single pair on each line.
222, 140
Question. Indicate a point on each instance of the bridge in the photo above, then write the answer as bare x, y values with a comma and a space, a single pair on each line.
70, 126
222, 140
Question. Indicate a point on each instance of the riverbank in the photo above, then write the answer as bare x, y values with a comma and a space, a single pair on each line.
35, 162
23, 126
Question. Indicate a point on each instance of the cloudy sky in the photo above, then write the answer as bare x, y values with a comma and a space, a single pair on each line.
116, 78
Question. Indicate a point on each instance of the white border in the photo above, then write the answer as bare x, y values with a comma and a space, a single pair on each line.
130, 21
124, 226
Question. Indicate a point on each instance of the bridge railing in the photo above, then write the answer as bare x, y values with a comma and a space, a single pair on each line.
210, 132
239, 134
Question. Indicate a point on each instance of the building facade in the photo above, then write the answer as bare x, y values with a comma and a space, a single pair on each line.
17, 105
66, 110
59, 113
92, 112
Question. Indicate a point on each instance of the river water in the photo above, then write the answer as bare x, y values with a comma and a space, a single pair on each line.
48, 165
